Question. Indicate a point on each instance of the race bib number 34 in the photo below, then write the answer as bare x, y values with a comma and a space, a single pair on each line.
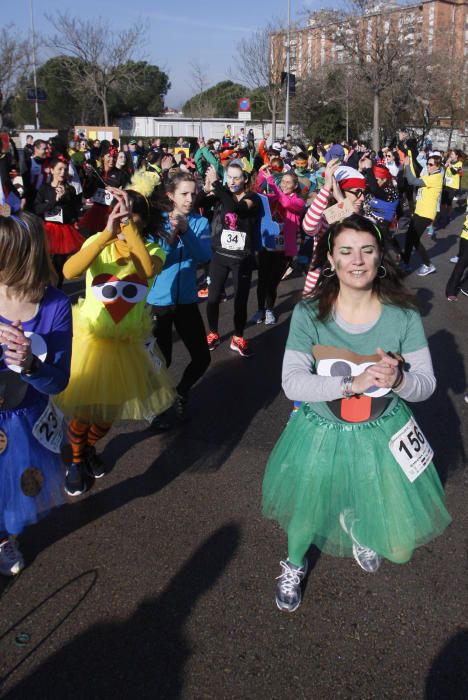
233, 240
411, 449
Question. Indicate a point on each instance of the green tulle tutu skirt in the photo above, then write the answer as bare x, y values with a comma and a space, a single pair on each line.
319, 469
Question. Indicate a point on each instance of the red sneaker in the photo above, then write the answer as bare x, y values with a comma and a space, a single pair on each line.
203, 293
241, 346
213, 340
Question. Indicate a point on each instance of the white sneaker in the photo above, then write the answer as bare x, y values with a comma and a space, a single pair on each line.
258, 317
11, 559
365, 557
270, 318
288, 588
454, 260
425, 270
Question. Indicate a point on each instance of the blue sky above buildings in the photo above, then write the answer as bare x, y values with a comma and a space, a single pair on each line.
173, 34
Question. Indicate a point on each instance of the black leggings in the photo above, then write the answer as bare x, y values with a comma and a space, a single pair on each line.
241, 271
453, 285
189, 325
271, 268
418, 225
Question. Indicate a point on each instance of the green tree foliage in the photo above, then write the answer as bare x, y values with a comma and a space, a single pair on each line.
218, 101
144, 99
69, 103
66, 103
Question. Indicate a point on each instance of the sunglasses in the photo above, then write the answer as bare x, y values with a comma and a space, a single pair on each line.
357, 193
431, 163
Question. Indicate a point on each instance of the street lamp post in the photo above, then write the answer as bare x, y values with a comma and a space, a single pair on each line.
36, 102
288, 67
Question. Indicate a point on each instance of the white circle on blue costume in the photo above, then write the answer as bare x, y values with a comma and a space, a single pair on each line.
38, 348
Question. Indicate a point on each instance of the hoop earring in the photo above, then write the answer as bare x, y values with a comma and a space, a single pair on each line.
384, 272
326, 269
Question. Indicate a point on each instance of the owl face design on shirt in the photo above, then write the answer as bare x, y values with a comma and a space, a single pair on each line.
341, 362
119, 295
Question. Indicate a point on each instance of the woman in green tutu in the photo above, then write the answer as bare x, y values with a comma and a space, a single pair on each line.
352, 472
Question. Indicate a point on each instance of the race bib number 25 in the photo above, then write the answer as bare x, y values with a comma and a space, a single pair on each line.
411, 449
49, 427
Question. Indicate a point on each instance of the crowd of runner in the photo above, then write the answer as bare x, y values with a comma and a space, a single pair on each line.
154, 230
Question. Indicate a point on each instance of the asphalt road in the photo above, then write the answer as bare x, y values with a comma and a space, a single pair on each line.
160, 582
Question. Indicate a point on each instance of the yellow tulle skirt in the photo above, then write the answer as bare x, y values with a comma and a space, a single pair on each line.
115, 379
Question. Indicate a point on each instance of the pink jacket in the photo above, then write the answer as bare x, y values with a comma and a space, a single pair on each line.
289, 212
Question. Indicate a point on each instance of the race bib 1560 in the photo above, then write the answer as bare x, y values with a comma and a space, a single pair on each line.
233, 240
411, 449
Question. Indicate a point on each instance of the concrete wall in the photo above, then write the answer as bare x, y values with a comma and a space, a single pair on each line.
184, 126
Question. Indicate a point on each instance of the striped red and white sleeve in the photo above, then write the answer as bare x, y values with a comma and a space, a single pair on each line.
314, 221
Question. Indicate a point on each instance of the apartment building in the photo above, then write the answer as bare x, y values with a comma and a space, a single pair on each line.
437, 27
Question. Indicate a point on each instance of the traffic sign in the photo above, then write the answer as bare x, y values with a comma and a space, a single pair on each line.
244, 104
32, 95
244, 116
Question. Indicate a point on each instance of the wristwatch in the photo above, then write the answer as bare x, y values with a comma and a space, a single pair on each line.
34, 367
346, 387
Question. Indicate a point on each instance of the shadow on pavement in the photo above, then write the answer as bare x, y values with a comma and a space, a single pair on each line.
448, 676
424, 298
220, 417
439, 416
144, 656
49, 620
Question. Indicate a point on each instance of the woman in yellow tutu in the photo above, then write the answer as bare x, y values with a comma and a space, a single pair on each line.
114, 375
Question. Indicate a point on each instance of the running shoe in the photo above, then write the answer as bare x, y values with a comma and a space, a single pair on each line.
365, 557
288, 588
11, 559
241, 346
431, 232
94, 463
258, 317
203, 293
425, 270
75, 479
464, 291
454, 260
452, 298
213, 340
466, 398
270, 318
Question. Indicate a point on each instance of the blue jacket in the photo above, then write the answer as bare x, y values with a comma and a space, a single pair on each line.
177, 282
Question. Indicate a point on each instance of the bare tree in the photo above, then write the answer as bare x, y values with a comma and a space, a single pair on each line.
373, 43
200, 105
13, 55
259, 63
106, 58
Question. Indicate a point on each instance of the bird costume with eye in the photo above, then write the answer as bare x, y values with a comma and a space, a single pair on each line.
114, 374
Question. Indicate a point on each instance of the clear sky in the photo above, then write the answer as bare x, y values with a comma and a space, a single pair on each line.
173, 33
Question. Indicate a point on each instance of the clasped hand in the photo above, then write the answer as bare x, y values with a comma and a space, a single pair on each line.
16, 346
383, 374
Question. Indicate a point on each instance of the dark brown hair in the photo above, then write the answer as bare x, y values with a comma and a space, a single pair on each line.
390, 288
25, 265
166, 204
